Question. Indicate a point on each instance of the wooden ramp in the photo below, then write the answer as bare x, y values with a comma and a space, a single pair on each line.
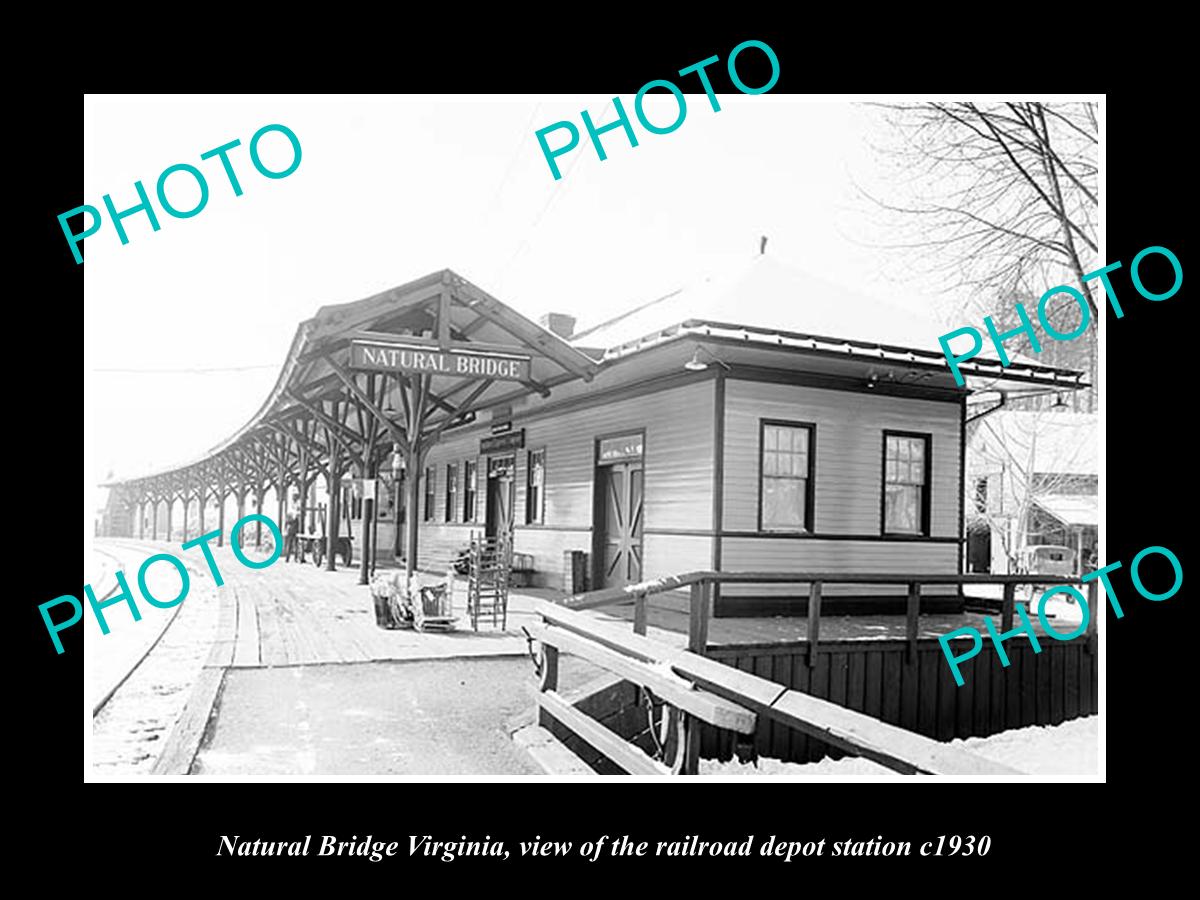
684, 692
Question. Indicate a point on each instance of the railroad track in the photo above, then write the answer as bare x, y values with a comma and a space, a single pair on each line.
100, 551
167, 621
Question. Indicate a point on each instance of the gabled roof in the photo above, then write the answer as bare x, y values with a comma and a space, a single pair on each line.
1070, 509
767, 301
767, 293
315, 369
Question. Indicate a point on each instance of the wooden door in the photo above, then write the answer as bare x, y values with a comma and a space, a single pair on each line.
979, 550
501, 487
619, 531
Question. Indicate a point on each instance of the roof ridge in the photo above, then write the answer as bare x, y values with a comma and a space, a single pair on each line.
625, 315
727, 274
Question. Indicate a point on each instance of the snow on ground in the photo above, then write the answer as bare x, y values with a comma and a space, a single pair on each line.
129, 733
98, 569
1061, 609
1067, 749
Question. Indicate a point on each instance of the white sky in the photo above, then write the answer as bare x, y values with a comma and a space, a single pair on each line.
391, 189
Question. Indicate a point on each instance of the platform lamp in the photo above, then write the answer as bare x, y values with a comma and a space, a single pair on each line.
397, 461
397, 466
696, 364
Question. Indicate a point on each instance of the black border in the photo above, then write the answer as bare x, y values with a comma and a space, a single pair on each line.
1147, 368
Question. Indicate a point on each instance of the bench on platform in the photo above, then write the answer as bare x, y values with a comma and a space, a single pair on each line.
522, 571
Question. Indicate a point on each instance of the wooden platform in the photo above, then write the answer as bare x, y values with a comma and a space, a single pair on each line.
296, 615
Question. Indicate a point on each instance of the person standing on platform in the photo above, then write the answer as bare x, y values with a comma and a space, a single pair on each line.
290, 537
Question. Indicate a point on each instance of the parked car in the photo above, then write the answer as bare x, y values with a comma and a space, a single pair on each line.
1052, 559
1048, 559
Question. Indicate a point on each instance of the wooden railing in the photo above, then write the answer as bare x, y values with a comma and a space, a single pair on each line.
701, 585
642, 662
695, 689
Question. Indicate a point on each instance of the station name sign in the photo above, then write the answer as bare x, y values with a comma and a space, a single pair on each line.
382, 357
498, 443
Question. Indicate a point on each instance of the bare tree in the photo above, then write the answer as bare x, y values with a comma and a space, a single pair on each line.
1079, 354
1030, 464
995, 198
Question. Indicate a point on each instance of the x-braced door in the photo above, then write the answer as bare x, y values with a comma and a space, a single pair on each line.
620, 531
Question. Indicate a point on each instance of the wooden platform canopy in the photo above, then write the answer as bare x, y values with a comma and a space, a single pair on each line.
363, 381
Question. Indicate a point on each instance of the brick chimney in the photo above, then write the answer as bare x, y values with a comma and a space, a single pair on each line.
559, 323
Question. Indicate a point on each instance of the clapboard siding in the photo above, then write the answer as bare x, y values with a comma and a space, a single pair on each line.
439, 544
678, 481
847, 485
678, 514
547, 547
849, 449
816, 555
671, 554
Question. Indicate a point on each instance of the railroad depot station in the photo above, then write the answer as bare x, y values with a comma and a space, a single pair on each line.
697, 431
766, 422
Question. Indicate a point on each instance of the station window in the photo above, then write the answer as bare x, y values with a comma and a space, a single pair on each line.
451, 490
430, 479
535, 488
470, 488
786, 483
906, 483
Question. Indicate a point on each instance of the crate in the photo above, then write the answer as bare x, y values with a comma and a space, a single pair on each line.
575, 571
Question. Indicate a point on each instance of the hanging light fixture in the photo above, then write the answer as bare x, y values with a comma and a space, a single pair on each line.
1059, 404
696, 364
